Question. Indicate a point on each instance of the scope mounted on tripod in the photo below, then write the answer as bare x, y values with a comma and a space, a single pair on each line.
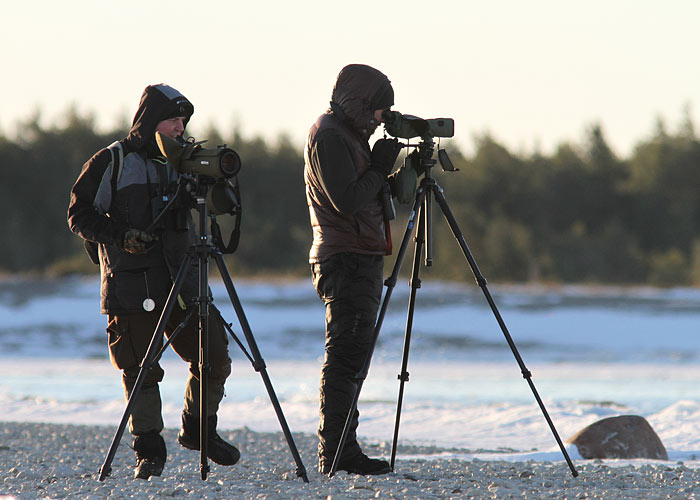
189, 157
409, 126
403, 126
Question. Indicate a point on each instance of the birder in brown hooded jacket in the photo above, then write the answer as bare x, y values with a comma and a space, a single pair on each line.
345, 184
121, 190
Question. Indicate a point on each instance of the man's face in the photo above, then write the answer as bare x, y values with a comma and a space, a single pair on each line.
378, 115
378, 118
172, 127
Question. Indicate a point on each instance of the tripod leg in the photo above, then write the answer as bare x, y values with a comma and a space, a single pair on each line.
203, 305
259, 364
390, 284
481, 281
426, 221
146, 364
415, 284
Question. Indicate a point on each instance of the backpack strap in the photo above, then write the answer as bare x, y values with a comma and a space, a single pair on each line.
117, 153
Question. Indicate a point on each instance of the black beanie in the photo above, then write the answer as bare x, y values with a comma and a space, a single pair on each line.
384, 98
178, 107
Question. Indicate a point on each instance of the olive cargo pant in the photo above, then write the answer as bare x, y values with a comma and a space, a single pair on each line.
129, 338
350, 286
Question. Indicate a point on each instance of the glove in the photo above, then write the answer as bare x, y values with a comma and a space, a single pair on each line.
137, 241
384, 154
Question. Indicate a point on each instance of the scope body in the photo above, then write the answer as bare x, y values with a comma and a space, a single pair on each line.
408, 126
188, 157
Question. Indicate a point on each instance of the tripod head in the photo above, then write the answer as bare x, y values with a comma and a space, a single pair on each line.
421, 158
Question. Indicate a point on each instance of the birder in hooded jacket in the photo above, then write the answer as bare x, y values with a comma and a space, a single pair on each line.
119, 194
346, 190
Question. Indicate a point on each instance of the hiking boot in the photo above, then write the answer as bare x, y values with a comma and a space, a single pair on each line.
150, 455
147, 467
218, 450
361, 464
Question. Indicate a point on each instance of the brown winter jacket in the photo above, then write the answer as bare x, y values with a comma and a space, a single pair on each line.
342, 188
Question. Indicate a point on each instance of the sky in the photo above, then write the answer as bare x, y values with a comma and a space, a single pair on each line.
530, 74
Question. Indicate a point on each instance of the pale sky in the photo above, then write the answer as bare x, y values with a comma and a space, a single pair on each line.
531, 73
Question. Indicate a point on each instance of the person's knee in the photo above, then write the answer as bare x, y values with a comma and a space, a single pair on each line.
343, 363
351, 342
351, 320
220, 371
153, 376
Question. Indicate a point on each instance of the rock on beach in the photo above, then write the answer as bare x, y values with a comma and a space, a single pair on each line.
623, 436
63, 461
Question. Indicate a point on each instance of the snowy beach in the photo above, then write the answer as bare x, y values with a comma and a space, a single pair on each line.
470, 427
60, 461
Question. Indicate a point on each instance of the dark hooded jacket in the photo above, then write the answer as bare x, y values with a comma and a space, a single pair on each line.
342, 188
102, 211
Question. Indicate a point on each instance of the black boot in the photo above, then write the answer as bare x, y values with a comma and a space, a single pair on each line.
218, 450
150, 455
361, 464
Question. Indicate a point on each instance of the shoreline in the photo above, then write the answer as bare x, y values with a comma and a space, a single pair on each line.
42, 460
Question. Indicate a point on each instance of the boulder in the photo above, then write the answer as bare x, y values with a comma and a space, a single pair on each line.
625, 436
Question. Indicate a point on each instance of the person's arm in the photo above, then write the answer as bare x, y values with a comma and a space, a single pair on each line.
92, 189
336, 171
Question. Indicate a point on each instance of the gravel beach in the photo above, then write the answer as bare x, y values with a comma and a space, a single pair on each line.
50, 461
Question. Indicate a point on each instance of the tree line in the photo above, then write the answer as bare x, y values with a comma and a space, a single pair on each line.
581, 214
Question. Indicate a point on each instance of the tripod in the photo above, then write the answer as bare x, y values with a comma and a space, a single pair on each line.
421, 211
203, 251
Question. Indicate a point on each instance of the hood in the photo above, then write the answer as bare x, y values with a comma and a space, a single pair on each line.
158, 103
356, 90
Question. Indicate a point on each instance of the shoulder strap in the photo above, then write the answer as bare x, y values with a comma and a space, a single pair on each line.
117, 153
236, 212
218, 239
117, 163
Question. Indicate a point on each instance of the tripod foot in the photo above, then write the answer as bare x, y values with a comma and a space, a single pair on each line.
104, 472
301, 472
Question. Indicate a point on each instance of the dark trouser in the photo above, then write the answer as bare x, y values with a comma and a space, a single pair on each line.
129, 338
350, 286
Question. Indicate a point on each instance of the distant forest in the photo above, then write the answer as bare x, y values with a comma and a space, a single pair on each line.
579, 215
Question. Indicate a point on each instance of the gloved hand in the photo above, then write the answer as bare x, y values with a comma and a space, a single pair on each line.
137, 241
384, 154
